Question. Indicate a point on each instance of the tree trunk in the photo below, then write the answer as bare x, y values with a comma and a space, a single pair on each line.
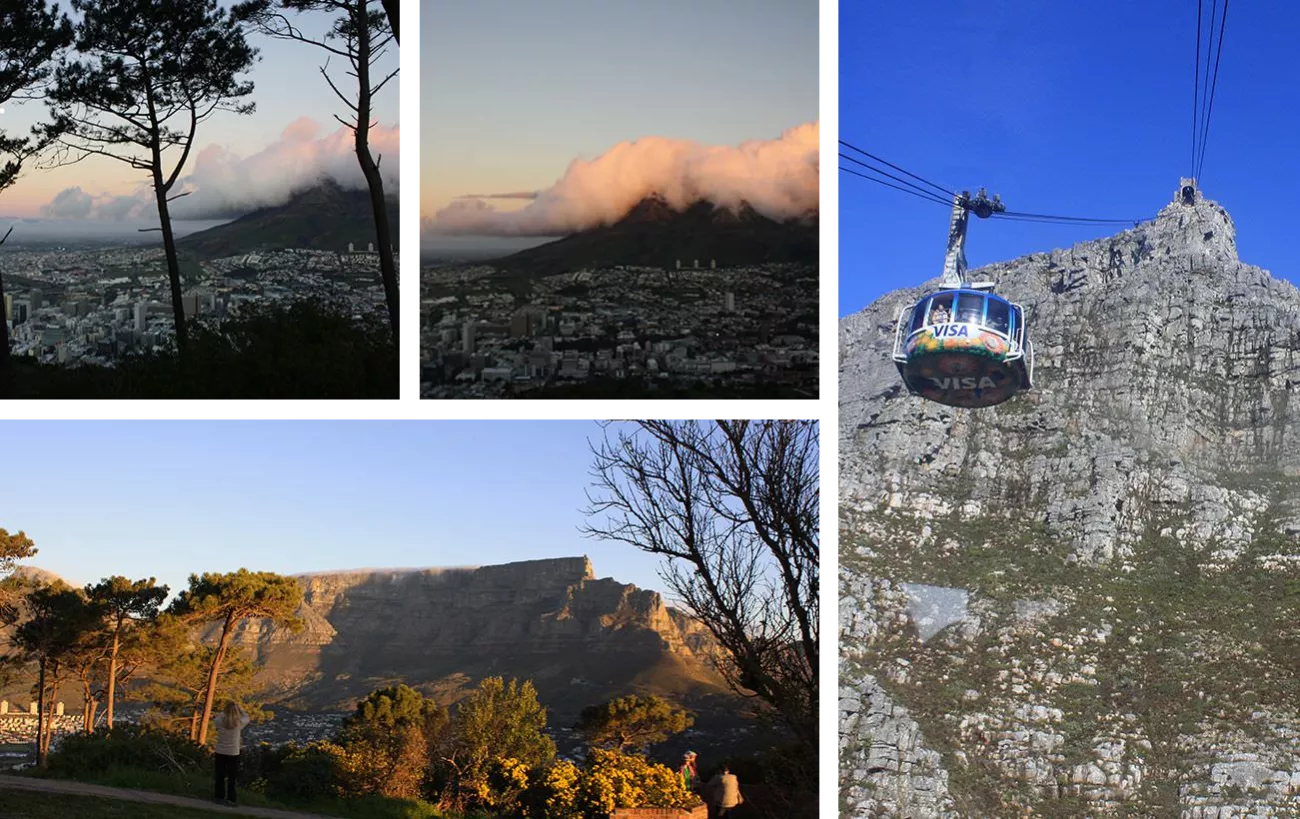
211, 693
4, 337
112, 674
169, 247
87, 705
40, 715
383, 236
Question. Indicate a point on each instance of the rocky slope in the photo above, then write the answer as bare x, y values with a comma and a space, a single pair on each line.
579, 638
1082, 602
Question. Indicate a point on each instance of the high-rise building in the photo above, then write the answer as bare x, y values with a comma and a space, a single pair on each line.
34, 300
141, 316
370, 248
713, 264
467, 338
697, 264
9, 307
729, 302
350, 250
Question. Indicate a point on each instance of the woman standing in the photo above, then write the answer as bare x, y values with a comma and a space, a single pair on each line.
229, 726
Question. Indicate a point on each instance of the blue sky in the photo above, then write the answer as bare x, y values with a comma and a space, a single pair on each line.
512, 92
1077, 109
167, 498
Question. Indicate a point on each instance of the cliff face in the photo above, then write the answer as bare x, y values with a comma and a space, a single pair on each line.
1082, 601
579, 638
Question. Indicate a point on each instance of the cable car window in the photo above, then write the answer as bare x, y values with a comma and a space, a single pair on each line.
970, 307
941, 309
918, 316
999, 315
1018, 321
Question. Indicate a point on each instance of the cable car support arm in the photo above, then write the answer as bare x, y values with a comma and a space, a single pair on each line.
954, 263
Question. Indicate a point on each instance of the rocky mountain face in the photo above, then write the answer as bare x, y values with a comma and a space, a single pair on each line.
654, 234
579, 638
1082, 602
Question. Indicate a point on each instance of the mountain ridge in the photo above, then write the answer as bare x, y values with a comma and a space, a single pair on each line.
323, 216
655, 234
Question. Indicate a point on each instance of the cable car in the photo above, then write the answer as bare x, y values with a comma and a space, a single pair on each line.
963, 345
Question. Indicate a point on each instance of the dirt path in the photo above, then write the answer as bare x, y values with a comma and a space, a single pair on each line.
105, 792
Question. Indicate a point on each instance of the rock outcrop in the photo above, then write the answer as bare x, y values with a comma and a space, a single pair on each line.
1126, 536
579, 638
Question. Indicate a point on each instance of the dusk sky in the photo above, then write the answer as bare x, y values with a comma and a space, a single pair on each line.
512, 93
237, 161
1074, 109
168, 498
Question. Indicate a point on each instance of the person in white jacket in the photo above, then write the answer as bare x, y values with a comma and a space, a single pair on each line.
229, 726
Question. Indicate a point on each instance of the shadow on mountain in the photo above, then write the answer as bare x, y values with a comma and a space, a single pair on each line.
653, 234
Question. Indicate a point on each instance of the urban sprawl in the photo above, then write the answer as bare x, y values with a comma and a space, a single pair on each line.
92, 306
487, 332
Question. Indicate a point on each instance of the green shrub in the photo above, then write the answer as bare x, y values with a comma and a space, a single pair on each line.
126, 746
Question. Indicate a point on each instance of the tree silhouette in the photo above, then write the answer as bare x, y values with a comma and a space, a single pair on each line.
124, 605
30, 35
229, 599
391, 8
360, 35
631, 722
148, 74
734, 506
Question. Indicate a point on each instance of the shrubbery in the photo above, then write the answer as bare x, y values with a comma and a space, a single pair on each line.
609, 780
125, 746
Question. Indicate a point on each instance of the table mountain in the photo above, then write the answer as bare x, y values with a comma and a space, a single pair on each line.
1082, 602
654, 234
579, 638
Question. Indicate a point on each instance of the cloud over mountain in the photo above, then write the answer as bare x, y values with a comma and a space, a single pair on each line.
777, 177
224, 185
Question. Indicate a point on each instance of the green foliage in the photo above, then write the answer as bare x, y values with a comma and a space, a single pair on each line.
498, 724
81, 756
237, 595
14, 547
632, 722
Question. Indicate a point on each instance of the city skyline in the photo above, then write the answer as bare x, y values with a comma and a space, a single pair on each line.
238, 162
674, 78
280, 496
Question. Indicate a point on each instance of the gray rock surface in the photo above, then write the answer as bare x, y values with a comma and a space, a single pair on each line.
1128, 536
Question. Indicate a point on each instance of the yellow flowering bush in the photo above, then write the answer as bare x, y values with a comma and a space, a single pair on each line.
610, 780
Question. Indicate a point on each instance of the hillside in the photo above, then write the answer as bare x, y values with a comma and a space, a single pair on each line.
1082, 602
653, 234
326, 217
579, 638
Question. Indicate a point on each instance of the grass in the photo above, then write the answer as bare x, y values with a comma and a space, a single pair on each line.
16, 804
198, 785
